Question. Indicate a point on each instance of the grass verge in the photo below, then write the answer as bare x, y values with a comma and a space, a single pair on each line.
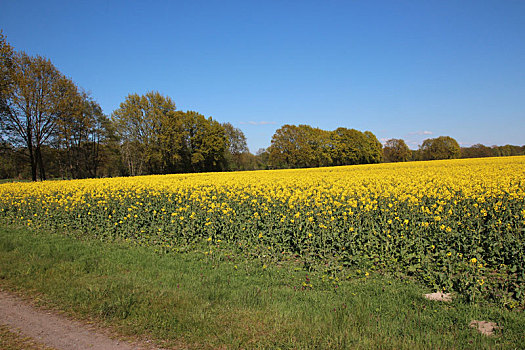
12, 340
193, 301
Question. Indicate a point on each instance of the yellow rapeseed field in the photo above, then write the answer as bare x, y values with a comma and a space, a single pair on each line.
454, 224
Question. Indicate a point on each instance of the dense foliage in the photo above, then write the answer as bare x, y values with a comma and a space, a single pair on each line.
443, 147
481, 151
158, 139
396, 150
306, 147
456, 225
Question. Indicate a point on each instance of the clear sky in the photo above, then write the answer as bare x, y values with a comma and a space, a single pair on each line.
401, 69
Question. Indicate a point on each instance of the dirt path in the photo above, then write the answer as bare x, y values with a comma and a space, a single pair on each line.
54, 330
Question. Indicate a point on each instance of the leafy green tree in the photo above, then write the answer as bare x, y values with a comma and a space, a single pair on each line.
396, 150
508, 150
33, 97
262, 157
476, 151
6, 66
151, 133
205, 143
13, 163
374, 149
82, 134
443, 147
303, 146
349, 146
318, 151
306, 144
417, 155
248, 161
236, 147
300, 147
158, 139
284, 147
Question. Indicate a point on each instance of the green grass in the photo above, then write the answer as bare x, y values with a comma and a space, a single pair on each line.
194, 301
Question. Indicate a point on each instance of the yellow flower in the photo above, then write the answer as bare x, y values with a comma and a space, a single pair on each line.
481, 282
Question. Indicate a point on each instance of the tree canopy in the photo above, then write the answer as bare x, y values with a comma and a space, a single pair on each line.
236, 154
442, 147
396, 150
35, 96
158, 139
304, 146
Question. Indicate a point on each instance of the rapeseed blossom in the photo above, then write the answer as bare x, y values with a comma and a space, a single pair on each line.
409, 216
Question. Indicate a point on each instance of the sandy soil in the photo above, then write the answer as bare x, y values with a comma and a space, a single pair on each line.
54, 330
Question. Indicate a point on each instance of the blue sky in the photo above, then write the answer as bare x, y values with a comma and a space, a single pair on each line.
401, 69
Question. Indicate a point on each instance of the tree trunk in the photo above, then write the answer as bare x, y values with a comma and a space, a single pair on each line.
30, 150
42, 172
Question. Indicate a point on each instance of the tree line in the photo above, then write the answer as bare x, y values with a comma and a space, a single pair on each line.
304, 147
444, 147
51, 128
